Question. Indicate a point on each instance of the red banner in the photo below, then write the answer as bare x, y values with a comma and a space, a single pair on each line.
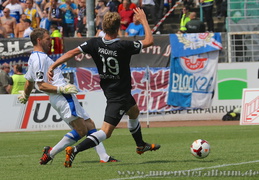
87, 79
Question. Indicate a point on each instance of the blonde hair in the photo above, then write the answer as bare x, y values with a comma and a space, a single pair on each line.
111, 23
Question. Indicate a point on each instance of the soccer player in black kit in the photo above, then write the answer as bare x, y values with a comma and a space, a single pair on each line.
112, 58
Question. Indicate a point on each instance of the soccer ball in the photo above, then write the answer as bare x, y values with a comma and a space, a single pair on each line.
200, 148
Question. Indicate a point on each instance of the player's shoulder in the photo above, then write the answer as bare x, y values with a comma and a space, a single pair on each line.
38, 54
135, 43
38, 57
95, 41
124, 41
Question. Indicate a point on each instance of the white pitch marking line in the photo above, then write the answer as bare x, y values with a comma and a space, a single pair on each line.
196, 169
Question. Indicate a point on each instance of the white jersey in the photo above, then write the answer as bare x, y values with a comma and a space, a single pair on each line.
39, 64
67, 105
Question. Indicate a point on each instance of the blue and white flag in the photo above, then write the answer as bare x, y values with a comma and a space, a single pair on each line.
189, 44
193, 70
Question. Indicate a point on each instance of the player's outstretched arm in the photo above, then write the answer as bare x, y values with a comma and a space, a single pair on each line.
67, 89
141, 17
61, 60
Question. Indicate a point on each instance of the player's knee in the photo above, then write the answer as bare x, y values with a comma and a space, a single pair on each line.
90, 124
82, 132
133, 114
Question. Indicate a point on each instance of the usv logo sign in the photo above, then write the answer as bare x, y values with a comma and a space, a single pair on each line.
39, 114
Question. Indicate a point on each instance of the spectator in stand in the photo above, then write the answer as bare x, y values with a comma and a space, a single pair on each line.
159, 7
116, 3
219, 8
28, 28
131, 6
100, 10
207, 8
126, 16
224, 7
195, 25
3, 33
5, 80
136, 2
169, 4
150, 9
20, 27
9, 23
188, 3
44, 22
15, 9
135, 28
22, 3
39, 3
112, 6
55, 13
81, 17
45, 4
184, 19
32, 14
70, 11
56, 41
55, 32
44, 18
1, 7
17, 80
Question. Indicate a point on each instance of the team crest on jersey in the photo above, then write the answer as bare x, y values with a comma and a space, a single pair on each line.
136, 44
39, 75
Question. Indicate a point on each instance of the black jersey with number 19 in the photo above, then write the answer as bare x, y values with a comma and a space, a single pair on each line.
112, 58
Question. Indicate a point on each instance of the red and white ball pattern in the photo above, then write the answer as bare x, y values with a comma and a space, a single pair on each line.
200, 148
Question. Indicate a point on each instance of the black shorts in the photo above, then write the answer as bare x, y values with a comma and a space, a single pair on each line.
116, 109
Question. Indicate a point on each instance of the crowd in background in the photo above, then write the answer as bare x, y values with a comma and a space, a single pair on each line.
13, 84
67, 18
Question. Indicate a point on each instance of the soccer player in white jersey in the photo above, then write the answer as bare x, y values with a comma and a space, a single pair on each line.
62, 97
112, 57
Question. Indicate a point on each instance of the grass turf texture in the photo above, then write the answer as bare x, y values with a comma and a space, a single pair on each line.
21, 151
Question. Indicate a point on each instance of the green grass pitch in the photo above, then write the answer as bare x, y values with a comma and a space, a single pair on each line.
234, 155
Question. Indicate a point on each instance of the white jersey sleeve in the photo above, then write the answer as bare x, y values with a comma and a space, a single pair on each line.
38, 67
39, 63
